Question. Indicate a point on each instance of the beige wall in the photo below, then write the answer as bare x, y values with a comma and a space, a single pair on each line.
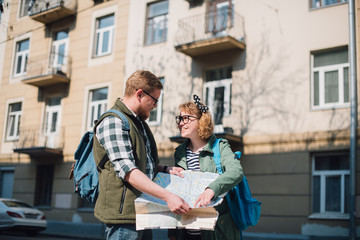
271, 105
271, 78
87, 73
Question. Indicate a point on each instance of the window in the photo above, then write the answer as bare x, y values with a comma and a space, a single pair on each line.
104, 35
52, 121
323, 3
157, 22
221, 15
21, 57
155, 114
53, 110
97, 105
6, 182
43, 187
330, 184
24, 8
59, 50
13, 121
217, 92
330, 79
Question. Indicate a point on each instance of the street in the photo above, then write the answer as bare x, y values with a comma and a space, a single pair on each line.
157, 234
21, 236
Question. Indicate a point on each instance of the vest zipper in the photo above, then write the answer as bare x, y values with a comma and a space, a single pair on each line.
122, 200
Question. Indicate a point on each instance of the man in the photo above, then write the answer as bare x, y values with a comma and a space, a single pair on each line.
133, 160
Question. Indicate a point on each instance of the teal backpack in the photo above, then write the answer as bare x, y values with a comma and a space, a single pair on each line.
84, 170
245, 210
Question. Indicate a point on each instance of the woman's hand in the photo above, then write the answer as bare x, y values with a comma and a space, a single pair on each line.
175, 171
205, 197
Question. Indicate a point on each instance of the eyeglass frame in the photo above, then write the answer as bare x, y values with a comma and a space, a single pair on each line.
181, 118
155, 99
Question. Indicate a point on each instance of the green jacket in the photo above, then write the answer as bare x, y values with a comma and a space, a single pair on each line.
115, 203
225, 227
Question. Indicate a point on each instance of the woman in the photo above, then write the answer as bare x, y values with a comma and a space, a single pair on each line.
195, 123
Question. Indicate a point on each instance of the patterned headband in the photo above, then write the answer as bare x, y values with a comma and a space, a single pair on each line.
203, 108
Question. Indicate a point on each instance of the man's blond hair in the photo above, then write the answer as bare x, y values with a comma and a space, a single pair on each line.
144, 80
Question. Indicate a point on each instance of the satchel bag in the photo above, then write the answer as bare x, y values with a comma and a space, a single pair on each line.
244, 209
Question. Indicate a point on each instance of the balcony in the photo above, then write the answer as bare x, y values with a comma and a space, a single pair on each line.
48, 11
210, 33
43, 72
36, 143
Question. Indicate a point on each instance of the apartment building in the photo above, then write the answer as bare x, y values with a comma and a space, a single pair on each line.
62, 66
275, 75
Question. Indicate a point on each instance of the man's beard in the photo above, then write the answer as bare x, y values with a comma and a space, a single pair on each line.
143, 115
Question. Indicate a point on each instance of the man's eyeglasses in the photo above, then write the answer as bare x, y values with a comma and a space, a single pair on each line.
155, 100
184, 118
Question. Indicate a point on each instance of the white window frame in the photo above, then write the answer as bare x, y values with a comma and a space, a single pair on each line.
22, 11
322, 3
218, 22
49, 110
92, 59
322, 70
24, 56
17, 120
323, 174
211, 85
55, 51
98, 106
99, 37
158, 108
158, 20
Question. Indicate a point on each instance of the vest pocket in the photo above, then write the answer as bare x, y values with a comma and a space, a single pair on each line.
122, 199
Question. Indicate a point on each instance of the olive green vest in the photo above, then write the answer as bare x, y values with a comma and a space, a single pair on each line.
115, 203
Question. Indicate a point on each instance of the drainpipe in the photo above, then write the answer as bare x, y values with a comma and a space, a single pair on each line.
353, 118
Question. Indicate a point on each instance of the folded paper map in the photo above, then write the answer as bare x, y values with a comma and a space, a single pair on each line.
153, 213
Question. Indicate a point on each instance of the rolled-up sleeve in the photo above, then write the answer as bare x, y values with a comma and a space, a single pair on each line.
117, 145
233, 172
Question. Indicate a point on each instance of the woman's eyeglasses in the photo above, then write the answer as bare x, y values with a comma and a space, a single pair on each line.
184, 118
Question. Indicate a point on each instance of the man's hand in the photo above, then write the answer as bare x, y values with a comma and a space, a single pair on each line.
205, 197
176, 204
142, 183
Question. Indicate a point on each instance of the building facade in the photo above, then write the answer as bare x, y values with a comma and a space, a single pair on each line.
63, 66
275, 75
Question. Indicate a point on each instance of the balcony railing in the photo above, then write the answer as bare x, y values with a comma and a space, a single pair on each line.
36, 142
210, 32
42, 72
48, 11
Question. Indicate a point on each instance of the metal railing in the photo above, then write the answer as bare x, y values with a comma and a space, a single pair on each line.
210, 25
38, 6
33, 137
56, 63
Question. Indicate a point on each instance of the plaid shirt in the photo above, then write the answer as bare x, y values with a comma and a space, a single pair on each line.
118, 147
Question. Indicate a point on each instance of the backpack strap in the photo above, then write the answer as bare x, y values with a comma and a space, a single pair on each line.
216, 150
125, 126
217, 157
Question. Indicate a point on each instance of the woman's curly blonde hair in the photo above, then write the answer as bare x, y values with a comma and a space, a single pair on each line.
206, 125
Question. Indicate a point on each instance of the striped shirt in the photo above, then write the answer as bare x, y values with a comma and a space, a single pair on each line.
119, 149
192, 160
